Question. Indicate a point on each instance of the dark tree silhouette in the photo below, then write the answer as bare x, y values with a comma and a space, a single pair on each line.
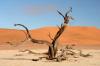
53, 47
52, 51
30, 37
66, 17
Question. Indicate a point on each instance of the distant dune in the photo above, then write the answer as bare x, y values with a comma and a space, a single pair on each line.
82, 36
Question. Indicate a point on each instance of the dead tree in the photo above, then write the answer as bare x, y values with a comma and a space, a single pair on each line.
53, 47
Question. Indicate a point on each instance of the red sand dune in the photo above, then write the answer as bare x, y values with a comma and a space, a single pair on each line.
88, 36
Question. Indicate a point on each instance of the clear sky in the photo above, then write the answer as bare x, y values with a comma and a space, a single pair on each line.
39, 13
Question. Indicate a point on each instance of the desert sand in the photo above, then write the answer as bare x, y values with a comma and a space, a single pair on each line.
85, 38
16, 58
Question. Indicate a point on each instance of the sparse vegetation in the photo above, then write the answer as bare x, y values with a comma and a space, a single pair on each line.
53, 52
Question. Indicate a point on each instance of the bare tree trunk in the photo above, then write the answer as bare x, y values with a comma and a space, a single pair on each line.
53, 47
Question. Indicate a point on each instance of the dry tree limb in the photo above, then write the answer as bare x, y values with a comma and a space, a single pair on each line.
32, 52
83, 55
32, 39
29, 51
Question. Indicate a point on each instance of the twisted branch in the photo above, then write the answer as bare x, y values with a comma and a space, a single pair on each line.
32, 39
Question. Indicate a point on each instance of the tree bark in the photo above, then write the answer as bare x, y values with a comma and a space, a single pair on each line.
53, 47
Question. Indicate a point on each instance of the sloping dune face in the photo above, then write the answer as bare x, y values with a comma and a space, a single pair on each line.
11, 35
82, 36
72, 35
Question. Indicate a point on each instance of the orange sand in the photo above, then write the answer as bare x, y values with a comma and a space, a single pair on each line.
82, 36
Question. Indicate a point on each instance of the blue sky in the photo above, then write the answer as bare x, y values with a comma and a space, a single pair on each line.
40, 13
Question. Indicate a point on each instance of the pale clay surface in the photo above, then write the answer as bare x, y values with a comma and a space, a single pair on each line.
9, 58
